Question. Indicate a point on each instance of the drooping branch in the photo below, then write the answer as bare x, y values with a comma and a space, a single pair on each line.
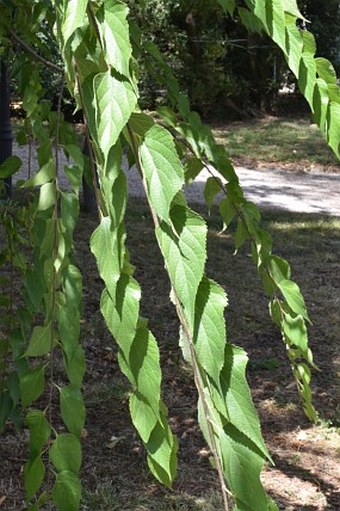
35, 54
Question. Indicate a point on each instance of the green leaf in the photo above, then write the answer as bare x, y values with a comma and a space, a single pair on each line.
115, 189
4, 300
249, 21
184, 251
209, 332
241, 460
21, 137
295, 330
213, 187
162, 453
44, 175
309, 45
227, 211
241, 412
106, 245
65, 453
32, 385
73, 17
34, 475
39, 431
293, 296
320, 103
66, 493
47, 197
334, 127
13, 385
291, 7
228, 5
69, 205
10, 166
143, 416
185, 345
275, 311
279, 268
114, 27
162, 169
276, 21
144, 365
140, 123
241, 234
115, 101
307, 76
243, 465
40, 342
72, 409
192, 169
75, 365
294, 44
183, 105
325, 70
121, 317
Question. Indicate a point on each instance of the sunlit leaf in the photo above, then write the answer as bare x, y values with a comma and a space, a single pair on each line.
73, 18
115, 102
162, 169
115, 32
294, 298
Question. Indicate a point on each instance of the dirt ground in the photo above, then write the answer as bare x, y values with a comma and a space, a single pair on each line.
306, 475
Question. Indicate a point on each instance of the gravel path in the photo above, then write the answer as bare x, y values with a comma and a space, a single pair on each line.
273, 189
300, 192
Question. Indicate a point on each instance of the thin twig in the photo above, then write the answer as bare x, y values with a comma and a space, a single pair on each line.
36, 55
200, 387
181, 314
29, 161
93, 166
92, 18
54, 277
141, 174
91, 152
60, 98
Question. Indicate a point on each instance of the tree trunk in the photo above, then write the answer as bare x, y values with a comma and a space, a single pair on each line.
6, 137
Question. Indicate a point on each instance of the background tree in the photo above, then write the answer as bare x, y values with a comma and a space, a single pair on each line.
324, 20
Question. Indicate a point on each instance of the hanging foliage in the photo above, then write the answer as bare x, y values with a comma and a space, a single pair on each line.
99, 44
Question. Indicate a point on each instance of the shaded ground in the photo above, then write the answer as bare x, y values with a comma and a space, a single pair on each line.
306, 476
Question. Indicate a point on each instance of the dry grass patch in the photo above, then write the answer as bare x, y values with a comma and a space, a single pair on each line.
290, 143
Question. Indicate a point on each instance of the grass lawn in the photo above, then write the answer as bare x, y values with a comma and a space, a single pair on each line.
288, 142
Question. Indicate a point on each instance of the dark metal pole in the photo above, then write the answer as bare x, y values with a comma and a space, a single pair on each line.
6, 136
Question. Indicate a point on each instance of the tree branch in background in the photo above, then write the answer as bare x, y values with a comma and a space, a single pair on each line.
36, 55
